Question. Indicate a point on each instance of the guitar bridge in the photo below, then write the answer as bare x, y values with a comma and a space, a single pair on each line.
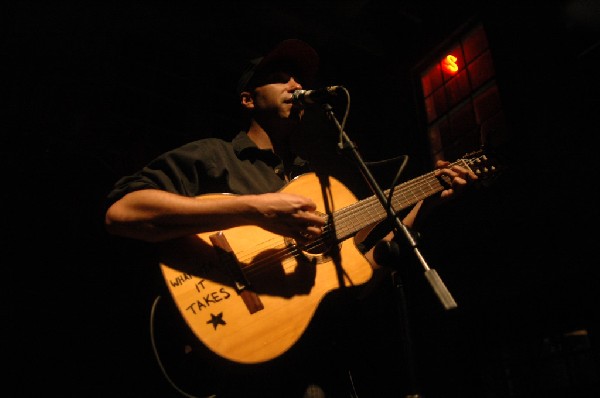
232, 265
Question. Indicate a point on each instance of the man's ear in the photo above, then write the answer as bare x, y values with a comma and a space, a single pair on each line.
247, 100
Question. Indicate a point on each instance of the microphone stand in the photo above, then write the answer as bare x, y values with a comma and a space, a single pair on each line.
399, 229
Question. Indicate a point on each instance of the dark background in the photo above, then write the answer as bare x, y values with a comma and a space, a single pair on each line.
97, 89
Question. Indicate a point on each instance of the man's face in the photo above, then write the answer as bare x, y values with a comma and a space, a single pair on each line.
273, 95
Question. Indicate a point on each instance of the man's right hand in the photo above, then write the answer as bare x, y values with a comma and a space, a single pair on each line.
289, 215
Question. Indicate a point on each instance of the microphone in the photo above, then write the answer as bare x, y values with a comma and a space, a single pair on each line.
311, 97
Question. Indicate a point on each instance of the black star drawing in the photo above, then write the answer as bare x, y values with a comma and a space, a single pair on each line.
216, 320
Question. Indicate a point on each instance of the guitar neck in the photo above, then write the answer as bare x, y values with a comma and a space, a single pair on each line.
351, 219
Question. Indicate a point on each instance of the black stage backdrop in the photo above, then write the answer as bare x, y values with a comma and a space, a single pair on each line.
96, 90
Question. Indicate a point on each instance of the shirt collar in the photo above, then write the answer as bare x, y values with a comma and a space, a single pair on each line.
244, 147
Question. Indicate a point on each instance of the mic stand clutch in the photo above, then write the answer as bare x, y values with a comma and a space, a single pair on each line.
391, 248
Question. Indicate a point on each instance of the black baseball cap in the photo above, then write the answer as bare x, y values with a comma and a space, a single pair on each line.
292, 55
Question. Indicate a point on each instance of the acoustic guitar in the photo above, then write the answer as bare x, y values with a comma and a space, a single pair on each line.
248, 294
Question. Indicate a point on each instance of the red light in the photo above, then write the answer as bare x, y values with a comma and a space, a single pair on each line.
449, 64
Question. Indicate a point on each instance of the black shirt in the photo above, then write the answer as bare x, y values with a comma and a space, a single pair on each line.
211, 165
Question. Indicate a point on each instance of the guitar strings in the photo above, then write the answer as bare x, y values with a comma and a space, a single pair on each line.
427, 183
344, 219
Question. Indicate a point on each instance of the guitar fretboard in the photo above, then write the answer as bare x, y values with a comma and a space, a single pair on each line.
353, 218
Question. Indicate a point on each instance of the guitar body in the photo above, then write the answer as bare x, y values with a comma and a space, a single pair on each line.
248, 294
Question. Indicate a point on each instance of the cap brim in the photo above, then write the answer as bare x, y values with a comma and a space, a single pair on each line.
291, 52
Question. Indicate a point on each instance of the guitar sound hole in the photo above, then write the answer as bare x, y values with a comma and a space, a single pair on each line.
317, 251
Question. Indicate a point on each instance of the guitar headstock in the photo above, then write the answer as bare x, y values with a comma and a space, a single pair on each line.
482, 164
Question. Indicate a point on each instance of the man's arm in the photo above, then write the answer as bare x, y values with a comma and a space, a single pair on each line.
153, 215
